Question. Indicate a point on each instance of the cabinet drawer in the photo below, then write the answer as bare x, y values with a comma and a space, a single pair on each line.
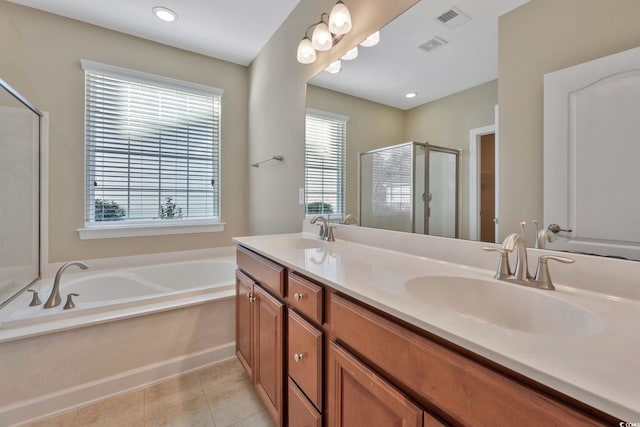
304, 356
269, 274
305, 297
462, 390
301, 412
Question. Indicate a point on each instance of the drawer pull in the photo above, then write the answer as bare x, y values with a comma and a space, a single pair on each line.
297, 296
298, 357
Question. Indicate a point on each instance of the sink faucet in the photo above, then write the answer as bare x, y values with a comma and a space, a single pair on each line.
521, 276
326, 230
54, 299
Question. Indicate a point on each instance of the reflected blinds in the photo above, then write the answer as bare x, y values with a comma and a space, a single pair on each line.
152, 148
391, 180
325, 152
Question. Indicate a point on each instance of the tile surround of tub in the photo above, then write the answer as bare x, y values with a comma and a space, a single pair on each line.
219, 395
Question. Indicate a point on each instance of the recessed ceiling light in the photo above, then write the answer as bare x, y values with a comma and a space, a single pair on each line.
164, 14
411, 95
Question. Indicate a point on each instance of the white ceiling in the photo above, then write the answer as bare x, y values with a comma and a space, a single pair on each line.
236, 31
233, 30
386, 72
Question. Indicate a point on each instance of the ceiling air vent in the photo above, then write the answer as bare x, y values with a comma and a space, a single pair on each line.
433, 43
453, 18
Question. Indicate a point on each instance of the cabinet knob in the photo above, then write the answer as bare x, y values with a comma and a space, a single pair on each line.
297, 296
250, 297
297, 357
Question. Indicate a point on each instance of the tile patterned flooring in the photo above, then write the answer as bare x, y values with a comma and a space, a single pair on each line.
217, 396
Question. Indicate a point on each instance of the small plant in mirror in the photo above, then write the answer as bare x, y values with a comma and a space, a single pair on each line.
170, 209
319, 208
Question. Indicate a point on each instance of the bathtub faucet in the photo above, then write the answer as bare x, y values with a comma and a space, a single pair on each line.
54, 299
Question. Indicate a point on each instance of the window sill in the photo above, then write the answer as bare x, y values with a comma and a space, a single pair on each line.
90, 232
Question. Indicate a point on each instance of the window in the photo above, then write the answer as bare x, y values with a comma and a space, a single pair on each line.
324, 162
152, 151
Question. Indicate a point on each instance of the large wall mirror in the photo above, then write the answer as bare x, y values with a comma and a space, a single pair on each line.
19, 193
445, 58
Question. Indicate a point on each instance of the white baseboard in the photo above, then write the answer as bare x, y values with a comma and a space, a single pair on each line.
61, 401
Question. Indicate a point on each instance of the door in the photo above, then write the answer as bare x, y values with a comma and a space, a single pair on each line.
358, 397
268, 324
244, 321
441, 197
487, 187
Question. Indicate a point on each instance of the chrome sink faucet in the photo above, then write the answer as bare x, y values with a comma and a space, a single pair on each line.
521, 275
54, 299
326, 230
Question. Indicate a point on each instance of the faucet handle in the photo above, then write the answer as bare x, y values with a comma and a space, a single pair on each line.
504, 270
542, 271
69, 304
330, 236
35, 300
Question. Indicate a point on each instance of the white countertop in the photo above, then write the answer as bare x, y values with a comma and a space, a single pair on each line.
601, 369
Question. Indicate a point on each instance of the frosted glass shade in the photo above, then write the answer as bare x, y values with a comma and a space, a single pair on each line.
334, 67
321, 39
339, 19
372, 40
351, 54
306, 52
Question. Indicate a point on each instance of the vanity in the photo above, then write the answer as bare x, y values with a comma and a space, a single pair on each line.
347, 334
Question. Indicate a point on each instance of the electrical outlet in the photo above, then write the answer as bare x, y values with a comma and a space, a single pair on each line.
301, 196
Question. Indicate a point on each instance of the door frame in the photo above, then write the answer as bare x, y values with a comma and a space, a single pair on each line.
474, 179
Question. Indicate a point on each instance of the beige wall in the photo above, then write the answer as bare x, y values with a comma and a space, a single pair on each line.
277, 108
371, 125
540, 37
41, 56
446, 122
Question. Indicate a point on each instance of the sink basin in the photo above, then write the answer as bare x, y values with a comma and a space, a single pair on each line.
295, 243
506, 305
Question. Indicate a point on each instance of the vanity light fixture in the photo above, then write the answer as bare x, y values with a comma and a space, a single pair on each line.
351, 54
340, 19
165, 14
411, 95
334, 67
372, 40
326, 33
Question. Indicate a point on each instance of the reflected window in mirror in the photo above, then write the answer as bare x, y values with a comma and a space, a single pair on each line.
324, 168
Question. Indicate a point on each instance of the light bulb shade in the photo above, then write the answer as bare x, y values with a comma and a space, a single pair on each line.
306, 52
372, 40
334, 67
351, 54
340, 19
321, 39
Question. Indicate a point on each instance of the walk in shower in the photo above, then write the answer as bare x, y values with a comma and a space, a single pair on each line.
410, 187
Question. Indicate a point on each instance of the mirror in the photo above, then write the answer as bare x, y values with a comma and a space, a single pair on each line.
455, 77
19, 193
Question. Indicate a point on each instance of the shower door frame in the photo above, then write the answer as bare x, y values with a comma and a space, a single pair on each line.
456, 153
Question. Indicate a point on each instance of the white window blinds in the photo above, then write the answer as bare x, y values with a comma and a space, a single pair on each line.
152, 147
325, 152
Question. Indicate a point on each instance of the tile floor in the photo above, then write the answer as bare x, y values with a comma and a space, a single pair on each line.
217, 396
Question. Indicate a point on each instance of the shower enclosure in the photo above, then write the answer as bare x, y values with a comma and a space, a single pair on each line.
410, 187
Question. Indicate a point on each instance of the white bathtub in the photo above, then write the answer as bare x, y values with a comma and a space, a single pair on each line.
130, 327
115, 293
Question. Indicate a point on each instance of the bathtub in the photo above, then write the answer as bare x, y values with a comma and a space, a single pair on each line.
129, 291
130, 328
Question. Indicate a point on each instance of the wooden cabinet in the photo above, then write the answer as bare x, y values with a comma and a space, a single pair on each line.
268, 350
260, 331
244, 321
301, 413
355, 366
358, 397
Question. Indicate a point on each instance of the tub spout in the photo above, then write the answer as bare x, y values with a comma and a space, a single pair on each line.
54, 299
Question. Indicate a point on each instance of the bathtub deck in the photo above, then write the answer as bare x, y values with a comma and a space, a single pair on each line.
219, 396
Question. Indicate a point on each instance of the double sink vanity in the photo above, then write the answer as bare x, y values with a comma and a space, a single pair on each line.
349, 333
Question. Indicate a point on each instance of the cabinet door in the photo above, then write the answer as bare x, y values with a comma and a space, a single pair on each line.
244, 322
304, 357
268, 347
358, 397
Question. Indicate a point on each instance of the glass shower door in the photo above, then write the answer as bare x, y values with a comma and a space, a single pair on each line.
442, 192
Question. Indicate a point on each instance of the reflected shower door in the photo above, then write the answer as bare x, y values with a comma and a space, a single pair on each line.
442, 194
